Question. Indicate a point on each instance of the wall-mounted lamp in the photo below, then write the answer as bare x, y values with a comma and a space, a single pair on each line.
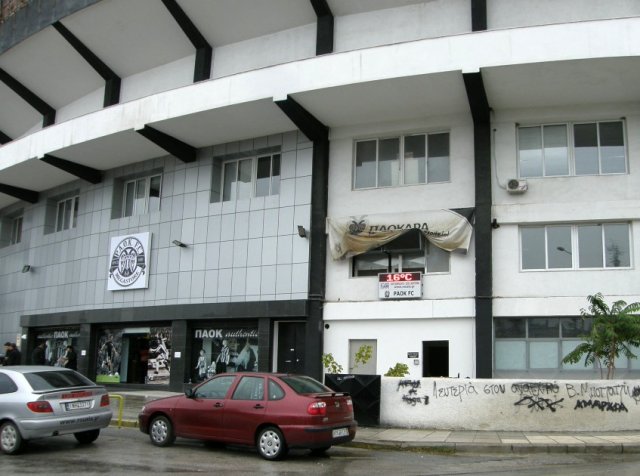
26, 268
495, 224
564, 250
179, 243
302, 233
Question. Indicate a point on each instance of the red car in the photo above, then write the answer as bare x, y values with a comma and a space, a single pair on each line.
273, 412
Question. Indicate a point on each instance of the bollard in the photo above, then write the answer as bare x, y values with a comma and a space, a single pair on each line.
120, 398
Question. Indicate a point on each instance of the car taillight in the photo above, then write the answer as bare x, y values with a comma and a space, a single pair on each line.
349, 402
317, 408
104, 401
40, 407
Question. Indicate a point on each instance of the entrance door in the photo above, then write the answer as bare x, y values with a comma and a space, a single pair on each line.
436, 358
291, 344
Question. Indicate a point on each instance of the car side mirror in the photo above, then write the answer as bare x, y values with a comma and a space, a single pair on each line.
189, 393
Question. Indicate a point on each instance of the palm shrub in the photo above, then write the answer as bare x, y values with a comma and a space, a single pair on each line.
614, 331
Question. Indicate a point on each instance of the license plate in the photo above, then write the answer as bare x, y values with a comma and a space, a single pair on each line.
78, 405
338, 432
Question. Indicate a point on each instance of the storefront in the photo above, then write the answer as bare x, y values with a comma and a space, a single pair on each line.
169, 346
56, 341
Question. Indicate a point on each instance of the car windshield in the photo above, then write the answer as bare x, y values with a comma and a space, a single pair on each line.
302, 384
55, 380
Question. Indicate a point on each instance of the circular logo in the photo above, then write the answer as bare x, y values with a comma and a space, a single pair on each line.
128, 262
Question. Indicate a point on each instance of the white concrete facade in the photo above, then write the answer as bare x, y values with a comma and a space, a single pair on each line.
397, 67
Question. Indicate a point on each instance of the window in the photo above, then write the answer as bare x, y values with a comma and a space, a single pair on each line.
602, 245
67, 213
537, 343
251, 177
16, 230
249, 388
141, 195
408, 253
214, 388
593, 148
404, 160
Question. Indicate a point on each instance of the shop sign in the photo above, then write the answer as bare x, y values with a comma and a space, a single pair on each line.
129, 262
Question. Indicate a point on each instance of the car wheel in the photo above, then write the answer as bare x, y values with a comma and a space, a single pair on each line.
271, 444
86, 437
320, 451
11, 441
161, 431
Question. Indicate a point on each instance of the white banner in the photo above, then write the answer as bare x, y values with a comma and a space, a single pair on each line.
352, 236
129, 262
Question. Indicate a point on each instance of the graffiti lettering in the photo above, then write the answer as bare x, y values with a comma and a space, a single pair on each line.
535, 388
608, 391
494, 389
413, 400
635, 394
408, 383
603, 406
456, 391
539, 403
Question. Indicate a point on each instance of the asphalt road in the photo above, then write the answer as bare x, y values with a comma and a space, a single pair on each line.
127, 451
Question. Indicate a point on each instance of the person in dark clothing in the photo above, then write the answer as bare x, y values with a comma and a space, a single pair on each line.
38, 356
12, 354
71, 358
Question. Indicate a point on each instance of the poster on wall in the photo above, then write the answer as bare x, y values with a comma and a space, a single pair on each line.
109, 356
56, 342
159, 356
129, 262
224, 350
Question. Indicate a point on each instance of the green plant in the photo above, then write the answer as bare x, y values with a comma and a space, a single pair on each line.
363, 355
330, 364
400, 370
613, 331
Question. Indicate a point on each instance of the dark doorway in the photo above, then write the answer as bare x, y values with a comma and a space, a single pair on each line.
436, 358
291, 343
137, 359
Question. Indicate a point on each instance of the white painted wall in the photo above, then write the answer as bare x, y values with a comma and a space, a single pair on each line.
514, 14
510, 405
396, 335
458, 193
429, 19
574, 199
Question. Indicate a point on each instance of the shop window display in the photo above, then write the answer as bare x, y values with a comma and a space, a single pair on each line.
224, 351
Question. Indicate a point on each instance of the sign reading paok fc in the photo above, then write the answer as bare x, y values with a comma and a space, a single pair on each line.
129, 256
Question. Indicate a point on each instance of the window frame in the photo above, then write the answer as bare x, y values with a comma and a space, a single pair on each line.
17, 223
401, 173
73, 221
571, 147
274, 180
147, 195
527, 339
574, 252
397, 263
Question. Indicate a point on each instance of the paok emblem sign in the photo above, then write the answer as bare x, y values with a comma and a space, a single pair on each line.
128, 261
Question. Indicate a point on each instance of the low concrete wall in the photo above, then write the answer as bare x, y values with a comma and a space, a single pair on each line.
510, 405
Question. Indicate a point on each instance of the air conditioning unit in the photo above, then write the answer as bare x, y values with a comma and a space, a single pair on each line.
516, 186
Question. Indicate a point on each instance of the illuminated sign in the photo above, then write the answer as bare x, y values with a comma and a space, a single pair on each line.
400, 285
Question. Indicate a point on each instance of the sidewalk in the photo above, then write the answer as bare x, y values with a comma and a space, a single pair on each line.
453, 441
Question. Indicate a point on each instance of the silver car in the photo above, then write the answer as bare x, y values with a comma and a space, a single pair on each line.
40, 401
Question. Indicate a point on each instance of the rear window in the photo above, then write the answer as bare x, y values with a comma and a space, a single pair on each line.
55, 380
302, 384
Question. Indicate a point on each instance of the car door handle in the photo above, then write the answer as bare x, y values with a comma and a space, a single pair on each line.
258, 406
219, 405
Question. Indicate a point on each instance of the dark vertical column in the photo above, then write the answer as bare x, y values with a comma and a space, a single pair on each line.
317, 259
324, 29
264, 345
86, 344
480, 111
181, 343
478, 15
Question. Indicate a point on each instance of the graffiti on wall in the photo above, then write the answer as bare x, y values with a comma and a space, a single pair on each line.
531, 396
